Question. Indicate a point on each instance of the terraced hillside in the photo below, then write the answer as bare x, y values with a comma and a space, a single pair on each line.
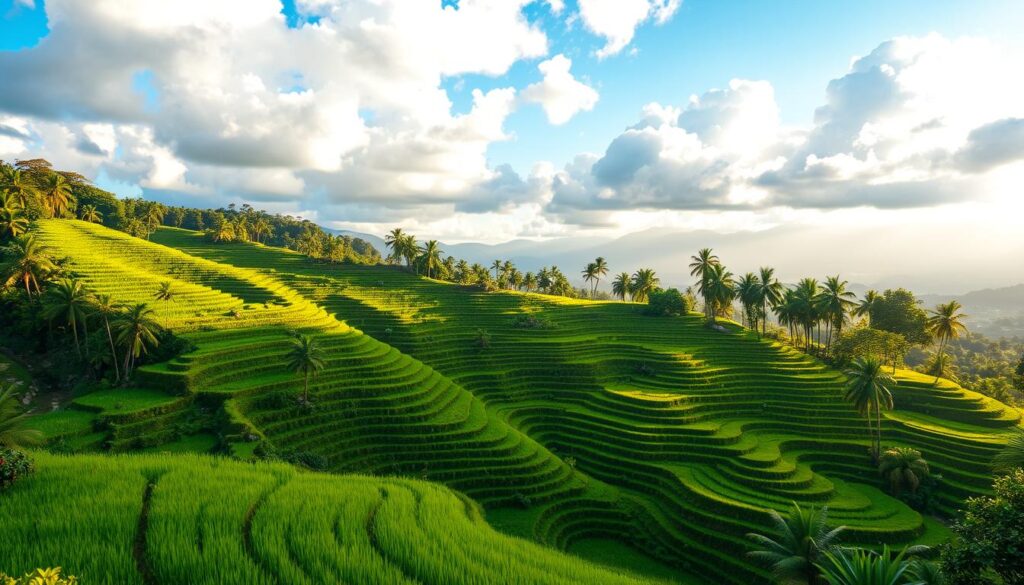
122, 520
698, 432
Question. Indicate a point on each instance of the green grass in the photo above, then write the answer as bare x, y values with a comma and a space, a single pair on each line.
196, 519
680, 438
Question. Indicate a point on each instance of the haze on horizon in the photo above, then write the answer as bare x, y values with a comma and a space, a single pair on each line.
884, 142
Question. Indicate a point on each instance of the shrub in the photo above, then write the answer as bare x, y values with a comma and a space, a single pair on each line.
531, 322
13, 465
482, 339
39, 577
666, 303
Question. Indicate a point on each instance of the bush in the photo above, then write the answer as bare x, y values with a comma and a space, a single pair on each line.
483, 339
39, 577
531, 322
13, 465
666, 303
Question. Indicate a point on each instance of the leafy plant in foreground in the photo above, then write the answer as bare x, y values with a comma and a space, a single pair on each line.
797, 544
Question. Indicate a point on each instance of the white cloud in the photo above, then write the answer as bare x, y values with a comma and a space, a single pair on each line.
560, 94
617, 20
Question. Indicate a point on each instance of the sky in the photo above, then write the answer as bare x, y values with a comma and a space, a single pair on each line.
492, 120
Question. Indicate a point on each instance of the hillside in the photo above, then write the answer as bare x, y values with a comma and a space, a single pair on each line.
145, 519
594, 422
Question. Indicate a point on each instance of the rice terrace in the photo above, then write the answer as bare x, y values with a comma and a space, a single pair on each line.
227, 355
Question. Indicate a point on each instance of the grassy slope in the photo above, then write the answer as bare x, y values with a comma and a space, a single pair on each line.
113, 519
682, 437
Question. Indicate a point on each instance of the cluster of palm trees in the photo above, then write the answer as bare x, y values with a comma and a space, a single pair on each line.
803, 549
638, 286
67, 301
30, 189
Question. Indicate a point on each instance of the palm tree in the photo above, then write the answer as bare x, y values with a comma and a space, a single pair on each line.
701, 267
644, 281
12, 222
544, 279
770, 294
590, 275
105, 306
946, 322
1012, 455
865, 567
805, 308
834, 303
799, 542
26, 263
88, 213
621, 286
867, 304
165, 292
393, 240
18, 185
496, 267
57, 195
69, 301
530, 282
748, 289
409, 249
719, 288
904, 468
430, 255
137, 331
869, 389
260, 228
600, 271
305, 358
13, 432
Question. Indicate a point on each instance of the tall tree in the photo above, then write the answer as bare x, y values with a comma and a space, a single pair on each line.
395, 241
590, 275
13, 222
748, 290
806, 308
644, 281
869, 389
621, 286
307, 359
69, 301
946, 322
165, 292
719, 289
834, 302
57, 196
137, 331
770, 293
700, 267
90, 214
601, 270
496, 267
797, 544
18, 184
430, 255
25, 261
105, 307
866, 305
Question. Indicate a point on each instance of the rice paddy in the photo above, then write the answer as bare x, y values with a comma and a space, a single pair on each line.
604, 426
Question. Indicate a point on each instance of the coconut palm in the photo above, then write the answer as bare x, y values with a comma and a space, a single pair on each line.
621, 286
136, 330
748, 290
1012, 455
13, 222
394, 240
165, 292
496, 267
644, 281
903, 468
867, 304
430, 255
719, 288
261, 228
18, 185
600, 271
869, 389
69, 301
865, 567
946, 322
56, 193
410, 249
26, 262
834, 303
13, 431
805, 309
590, 274
770, 294
797, 544
104, 306
88, 213
305, 358
700, 267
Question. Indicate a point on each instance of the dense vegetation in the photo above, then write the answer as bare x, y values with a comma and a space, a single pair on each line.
566, 421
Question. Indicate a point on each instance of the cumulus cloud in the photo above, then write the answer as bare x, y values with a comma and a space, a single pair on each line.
617, 20
559, 93
914, 123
